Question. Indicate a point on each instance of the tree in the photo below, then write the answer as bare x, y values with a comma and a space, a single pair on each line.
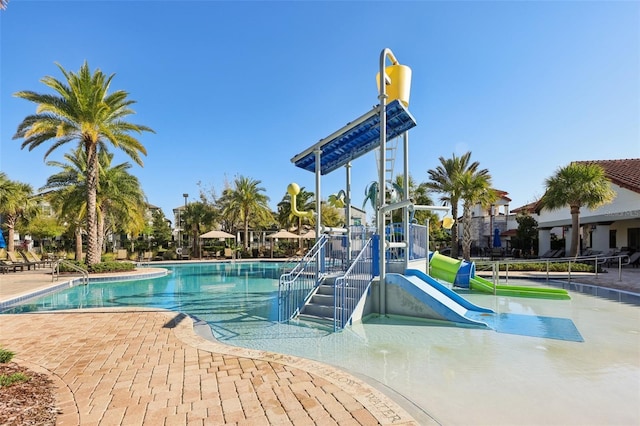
120, 200
16, 203
82, 111
475, 188
249, 202
197, 216
527, 231
44, 227
445, 179
577, 185
161, 230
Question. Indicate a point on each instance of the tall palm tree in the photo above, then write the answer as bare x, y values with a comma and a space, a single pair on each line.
444, 179
475, 188
3, 4
83, 111
580, 184
247, 198
16, 203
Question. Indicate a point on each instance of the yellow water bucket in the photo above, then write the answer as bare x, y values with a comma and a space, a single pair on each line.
400, 87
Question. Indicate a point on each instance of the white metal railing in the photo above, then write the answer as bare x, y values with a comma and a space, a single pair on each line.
295, 286
597, 260
349, 288
55, 270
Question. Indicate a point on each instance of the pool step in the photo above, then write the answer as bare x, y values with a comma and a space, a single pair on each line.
320, 305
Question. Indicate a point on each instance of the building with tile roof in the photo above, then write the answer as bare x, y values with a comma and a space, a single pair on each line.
612, 227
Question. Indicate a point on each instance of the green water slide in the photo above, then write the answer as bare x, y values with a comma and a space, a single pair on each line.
463, 274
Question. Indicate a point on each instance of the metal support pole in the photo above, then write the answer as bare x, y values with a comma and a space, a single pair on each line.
347, 213
381, 184
320, 254
427, 256
405, 211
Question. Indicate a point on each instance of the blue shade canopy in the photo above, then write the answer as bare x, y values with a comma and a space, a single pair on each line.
355, 139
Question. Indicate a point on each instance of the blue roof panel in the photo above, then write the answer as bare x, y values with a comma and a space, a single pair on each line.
355, 139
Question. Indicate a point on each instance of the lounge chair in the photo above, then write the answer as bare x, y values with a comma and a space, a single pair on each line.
14, 260
6, 265
122, 254
31, 257
634, 259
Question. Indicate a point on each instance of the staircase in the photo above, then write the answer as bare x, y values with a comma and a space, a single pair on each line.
320, 306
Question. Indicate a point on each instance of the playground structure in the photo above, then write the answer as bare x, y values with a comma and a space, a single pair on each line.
353, 294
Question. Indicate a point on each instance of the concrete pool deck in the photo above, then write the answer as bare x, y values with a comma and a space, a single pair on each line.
139, 366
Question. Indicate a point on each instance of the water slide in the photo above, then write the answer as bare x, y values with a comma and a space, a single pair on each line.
438, 301
463, 274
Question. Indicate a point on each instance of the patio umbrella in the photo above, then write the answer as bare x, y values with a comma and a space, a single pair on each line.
496, 238
3, 243
310, 234
284, 234
217, 234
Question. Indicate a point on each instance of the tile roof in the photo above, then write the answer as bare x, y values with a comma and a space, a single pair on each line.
624, 173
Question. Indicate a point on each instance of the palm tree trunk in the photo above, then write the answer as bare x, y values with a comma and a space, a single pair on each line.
575, 230
93, 253
101, 231
10, 220
454, 230
78, 234
466, 234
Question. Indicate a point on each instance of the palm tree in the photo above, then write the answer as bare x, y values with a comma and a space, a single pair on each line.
3, 4
16, 203
122, 204
120, 200
198, 216
577, 185
82, 111
445, 180
475, 188
248, 200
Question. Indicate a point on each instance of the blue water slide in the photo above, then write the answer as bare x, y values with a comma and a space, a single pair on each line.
442, 303
446, 291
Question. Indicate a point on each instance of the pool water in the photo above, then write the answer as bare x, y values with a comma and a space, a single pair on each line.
457, 375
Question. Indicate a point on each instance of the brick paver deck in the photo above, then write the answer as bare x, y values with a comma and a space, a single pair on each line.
136, 367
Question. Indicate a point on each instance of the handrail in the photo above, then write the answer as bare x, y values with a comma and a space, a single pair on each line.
596, 259
349, 288
55, 270
295, 286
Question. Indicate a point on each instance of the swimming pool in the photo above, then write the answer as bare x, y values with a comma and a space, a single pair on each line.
457, 375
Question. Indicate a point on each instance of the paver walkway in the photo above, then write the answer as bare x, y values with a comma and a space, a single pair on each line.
135, 367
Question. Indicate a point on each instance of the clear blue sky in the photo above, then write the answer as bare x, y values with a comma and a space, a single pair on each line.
239, 88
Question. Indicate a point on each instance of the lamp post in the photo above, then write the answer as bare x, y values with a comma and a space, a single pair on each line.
185, 195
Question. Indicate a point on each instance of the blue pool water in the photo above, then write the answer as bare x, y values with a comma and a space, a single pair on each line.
438, 369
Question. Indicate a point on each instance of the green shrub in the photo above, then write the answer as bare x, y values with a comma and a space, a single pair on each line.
5, 356
102, 267
170, 254
10, 379
108, 257
105, 267
553, 267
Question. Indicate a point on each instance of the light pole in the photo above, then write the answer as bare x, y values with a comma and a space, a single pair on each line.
185, 195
